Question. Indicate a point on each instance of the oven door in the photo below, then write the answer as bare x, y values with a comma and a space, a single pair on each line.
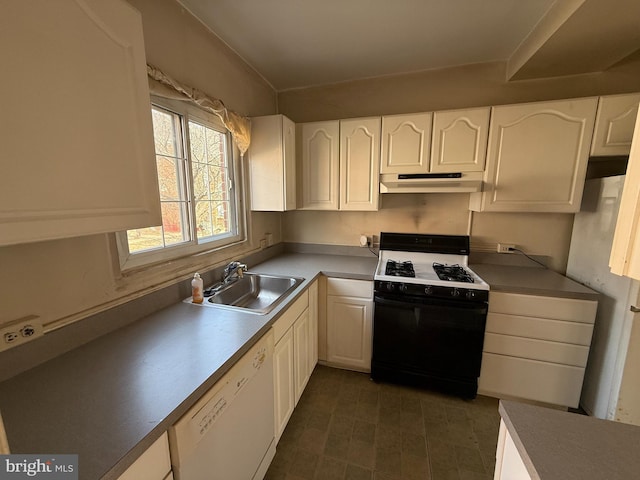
428, 342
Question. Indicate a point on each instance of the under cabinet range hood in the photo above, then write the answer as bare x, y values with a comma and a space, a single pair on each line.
459, 182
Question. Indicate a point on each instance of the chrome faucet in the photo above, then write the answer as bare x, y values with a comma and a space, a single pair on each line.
234, 268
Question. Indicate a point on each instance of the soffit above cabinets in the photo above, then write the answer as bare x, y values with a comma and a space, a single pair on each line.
295, 44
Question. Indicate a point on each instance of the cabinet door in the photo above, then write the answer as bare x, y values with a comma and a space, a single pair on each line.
615, 122
272, 163
509, 464
313, 325
625, 251
284, 386
359, 163
349, 333
301, 343
460, 140
537, 157
406, 143
153, 464
76, 121
320, 165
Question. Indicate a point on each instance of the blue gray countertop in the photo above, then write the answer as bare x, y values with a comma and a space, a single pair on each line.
110, 399
557, 445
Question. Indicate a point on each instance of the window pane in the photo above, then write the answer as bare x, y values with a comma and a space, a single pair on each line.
166, 133
174, 222
218, 183
169, 173
204, 225
143, 239
197, 141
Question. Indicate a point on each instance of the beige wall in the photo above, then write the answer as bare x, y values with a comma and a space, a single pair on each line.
65, 280
473, 85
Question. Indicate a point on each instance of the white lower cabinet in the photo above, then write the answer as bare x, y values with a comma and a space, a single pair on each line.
295, 355
536, 348
349, 323
153, 464
509, 464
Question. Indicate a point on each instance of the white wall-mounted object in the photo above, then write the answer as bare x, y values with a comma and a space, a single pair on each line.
537, 157
625, 251
406, 143
460, 140
349, 323
340, 164
272, 163
615, 122
76, 118
536, 348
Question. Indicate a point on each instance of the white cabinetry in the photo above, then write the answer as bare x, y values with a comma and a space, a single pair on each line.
625, 251
536, 348
460, 140
76, 121
272, 163
615, 122
340, 164
509, 464
537, 157
295, 355
153, 464
349, 323
406, 143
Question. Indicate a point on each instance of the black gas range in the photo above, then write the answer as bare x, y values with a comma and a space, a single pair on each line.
430, 312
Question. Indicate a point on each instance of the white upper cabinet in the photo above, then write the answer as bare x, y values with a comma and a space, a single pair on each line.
340, 164
406, 143
359, 163
625, 251
615, 120
460, 140
537, 157
320, 165
272, 163
76, 121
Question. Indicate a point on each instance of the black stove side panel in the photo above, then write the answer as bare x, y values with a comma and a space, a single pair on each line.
427, 243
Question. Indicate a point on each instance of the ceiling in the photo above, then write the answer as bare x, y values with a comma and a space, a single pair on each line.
298, 43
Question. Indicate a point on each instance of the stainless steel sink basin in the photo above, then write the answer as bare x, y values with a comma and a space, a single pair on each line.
254, 293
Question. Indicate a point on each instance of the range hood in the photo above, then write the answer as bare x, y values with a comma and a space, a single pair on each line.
459, 182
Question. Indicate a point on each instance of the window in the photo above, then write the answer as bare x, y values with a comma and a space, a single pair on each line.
196, 175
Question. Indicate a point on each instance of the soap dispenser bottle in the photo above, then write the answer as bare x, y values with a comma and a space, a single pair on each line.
196, 289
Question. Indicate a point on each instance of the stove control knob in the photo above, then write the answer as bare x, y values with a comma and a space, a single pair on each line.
403, 288
471, 295
391, 286
428, 290
455, 292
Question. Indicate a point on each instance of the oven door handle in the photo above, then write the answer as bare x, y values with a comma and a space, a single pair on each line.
394, 303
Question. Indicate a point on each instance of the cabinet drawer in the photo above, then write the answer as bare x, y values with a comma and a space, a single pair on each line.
540, 328
543, 307
530, 379
349, 288
289, 317
543, 350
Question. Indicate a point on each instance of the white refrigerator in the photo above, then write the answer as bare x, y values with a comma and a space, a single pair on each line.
611, 387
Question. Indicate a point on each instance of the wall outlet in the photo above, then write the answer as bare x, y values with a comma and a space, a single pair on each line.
263, 243
269, 238
506, 248
21, 331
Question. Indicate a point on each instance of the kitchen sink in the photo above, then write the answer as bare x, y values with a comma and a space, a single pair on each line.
254, 292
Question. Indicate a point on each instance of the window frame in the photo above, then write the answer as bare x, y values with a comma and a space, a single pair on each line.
188, 112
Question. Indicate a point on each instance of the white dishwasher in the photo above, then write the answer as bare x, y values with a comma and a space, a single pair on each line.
229, 433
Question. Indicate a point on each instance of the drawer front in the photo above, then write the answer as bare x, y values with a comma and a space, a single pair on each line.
569, 309
289, 317
540, 328
503, 376
542, 350
350, 288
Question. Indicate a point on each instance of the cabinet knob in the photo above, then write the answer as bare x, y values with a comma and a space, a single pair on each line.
634, 309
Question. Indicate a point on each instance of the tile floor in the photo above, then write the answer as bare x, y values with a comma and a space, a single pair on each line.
347, 427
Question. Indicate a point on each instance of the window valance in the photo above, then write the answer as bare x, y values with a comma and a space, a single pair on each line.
162, 85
